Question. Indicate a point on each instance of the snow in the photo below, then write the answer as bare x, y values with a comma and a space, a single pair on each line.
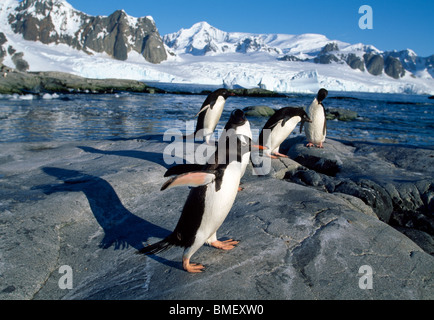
206, 55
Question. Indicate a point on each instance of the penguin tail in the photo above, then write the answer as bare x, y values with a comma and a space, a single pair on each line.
155, 248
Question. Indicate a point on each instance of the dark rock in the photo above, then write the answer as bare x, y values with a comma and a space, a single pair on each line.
393, 68
326, 59
259, 111
340, 114
329, 167
19, 62
374, 63
153, 50
290, 58
355, 62
330, 47
40, 82
325, 56
422, 239
3, 39
368, 171
256, 92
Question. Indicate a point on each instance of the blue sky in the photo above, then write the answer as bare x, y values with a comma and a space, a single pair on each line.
397, 24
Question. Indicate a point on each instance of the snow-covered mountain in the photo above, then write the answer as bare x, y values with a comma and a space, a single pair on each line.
50, 35
56, 21
203, 39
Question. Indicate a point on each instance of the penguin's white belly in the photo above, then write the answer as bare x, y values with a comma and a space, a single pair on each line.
245, 160
219, 203
212, 116
315, 129
279, 133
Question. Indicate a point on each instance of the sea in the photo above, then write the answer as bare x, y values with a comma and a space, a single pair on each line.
382, 118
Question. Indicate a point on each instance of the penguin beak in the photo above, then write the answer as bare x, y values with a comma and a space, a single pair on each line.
258, 147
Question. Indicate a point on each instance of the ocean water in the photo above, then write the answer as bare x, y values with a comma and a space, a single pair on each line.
383, 118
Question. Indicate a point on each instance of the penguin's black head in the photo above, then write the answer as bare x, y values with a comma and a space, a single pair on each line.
224, 93
238, 118
322, 94
304, 116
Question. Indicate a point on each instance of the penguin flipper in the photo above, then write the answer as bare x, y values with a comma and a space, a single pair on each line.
183, 168
191, 179
301, 126
324, 129
284, 121
203, 109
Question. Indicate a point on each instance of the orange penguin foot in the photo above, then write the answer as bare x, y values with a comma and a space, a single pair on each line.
310, 144
320, 146
278, 154
272, 156
192, 267
225, 245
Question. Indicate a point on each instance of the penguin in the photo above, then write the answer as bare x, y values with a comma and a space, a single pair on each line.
316, 130
239, 123
210, 113
215, 187
278, 127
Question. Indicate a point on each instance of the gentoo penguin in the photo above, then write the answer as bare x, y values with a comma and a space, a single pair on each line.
239, 123
279, 127
316, 129
214, 190
210, 113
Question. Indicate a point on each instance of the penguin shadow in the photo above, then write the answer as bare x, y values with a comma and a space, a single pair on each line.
122, 229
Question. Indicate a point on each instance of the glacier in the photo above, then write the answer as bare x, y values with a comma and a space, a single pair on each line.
205, 55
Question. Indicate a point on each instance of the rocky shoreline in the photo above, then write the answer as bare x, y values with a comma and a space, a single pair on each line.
13, 81
306, 228
17, 82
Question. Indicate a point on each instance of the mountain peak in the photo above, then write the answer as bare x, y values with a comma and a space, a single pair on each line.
202, 25
56, 21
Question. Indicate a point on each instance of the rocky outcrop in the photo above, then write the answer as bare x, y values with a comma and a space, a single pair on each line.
54, 21
393, 68
395, 181
15, 82
374, 62
17, 57
259, 111
91, 205
355, 62
3, 40
326, 55
341, 114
